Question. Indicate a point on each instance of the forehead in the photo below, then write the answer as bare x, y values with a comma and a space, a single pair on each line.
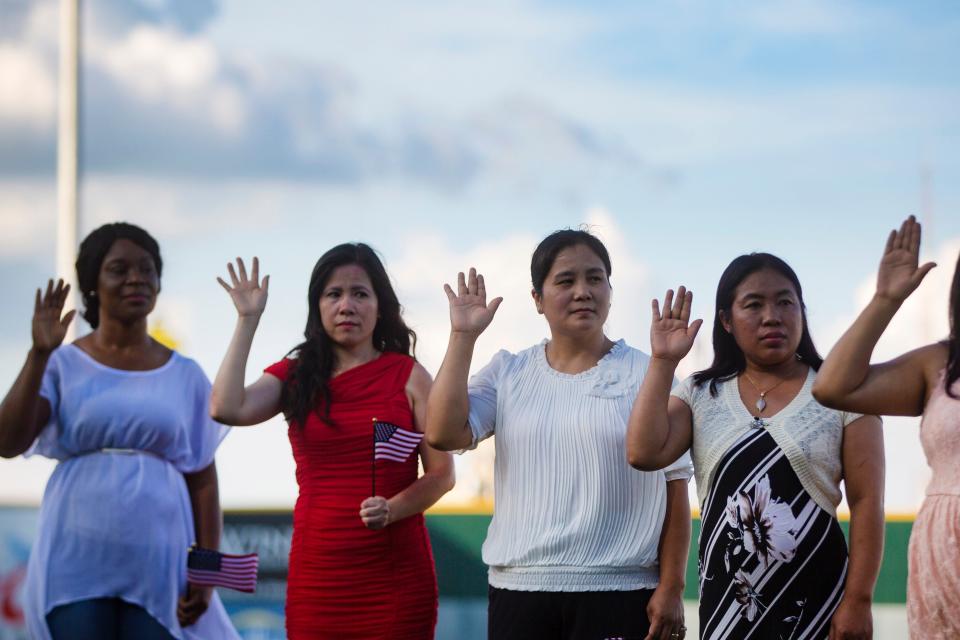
765, 283
349, 275
579, 257
123, 249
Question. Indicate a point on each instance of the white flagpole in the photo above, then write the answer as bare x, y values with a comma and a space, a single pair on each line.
67, 156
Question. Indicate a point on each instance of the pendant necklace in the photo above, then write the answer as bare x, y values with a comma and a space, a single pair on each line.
761, 401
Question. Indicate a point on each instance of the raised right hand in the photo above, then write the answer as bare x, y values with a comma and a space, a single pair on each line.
49, 329
672, 334
469, 311
249, 295
899, 274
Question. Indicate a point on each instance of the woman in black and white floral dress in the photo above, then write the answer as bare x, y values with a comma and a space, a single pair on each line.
768, 461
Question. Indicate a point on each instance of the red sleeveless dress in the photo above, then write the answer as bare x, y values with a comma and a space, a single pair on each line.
347, 581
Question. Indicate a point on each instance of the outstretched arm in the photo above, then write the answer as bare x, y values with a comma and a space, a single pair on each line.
449, 405
846, 380
230, 402
23, 412
438, 475
660, 427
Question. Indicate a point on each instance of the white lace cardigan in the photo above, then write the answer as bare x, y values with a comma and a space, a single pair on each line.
810, 435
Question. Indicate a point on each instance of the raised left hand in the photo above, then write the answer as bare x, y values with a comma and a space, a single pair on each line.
192, 604
375, 512
852, 621
665, 613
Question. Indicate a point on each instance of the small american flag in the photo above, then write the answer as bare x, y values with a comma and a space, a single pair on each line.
393, 443
209, 568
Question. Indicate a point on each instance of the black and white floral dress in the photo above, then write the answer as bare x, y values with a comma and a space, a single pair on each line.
772, 561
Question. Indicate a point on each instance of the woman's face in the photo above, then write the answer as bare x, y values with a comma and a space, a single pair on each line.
576, 293
128, 283
765, 319
348, 306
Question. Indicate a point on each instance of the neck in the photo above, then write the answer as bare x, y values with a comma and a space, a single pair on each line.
573, 352
351, 356
113, 335
788, 369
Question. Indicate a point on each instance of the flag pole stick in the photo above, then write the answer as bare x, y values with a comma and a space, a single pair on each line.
373, 461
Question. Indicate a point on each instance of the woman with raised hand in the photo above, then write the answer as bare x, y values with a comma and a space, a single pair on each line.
135, 484
922, 381
580, 545
360, 564
768, 461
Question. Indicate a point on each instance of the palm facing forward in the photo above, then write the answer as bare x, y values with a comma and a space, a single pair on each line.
899, 274
49, 329
672, 334
469, 311
249, 295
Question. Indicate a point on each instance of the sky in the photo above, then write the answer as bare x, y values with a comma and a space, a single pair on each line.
451, 134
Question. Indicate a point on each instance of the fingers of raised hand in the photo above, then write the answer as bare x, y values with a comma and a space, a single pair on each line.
656, 310
255, 271
243, 269
481, 287
233, 275
677, 311
472, 281
461, 284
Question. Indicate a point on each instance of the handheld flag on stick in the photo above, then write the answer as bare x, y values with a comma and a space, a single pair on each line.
391, 442
209, 568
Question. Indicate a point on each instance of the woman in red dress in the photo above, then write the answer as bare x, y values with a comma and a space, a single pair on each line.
360, 562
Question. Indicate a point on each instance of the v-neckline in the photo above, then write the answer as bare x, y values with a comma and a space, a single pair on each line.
737, 405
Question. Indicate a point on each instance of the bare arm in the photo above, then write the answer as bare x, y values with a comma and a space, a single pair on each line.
438, 474
863, 470
230, 401
847, 380
660, 428
208, 525
449, 405
23, 411
665, 610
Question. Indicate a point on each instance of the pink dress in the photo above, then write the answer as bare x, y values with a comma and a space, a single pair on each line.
933, 586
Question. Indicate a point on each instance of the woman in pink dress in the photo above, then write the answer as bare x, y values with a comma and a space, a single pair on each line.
924, 381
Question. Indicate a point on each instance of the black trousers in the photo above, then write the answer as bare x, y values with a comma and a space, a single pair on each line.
560, 615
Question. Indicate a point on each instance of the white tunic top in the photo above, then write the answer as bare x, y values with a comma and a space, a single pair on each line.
570, 514
810, 435
118, 524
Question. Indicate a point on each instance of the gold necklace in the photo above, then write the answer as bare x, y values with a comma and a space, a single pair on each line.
761, 402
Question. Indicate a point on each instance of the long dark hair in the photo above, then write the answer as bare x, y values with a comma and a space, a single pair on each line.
728, 359
307, 388
94, 249
953, 358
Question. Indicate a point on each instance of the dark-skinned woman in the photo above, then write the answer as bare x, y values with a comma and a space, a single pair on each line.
135, 485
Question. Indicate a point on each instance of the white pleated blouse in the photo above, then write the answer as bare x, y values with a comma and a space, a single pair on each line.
570, 514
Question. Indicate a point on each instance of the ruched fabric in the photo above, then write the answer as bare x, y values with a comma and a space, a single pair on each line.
347, 581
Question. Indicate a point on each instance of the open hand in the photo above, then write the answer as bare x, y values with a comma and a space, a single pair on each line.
375, 512
469, 311
193, 604
249, 295
672, 334
899, 274
49, 329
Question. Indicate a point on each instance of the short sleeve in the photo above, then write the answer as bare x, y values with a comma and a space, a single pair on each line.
681, 469
280, 369
847, 417
482, 391
47, 442
684, 390
204, 434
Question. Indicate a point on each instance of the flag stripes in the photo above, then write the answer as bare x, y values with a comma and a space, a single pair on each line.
394, 443
209, 568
